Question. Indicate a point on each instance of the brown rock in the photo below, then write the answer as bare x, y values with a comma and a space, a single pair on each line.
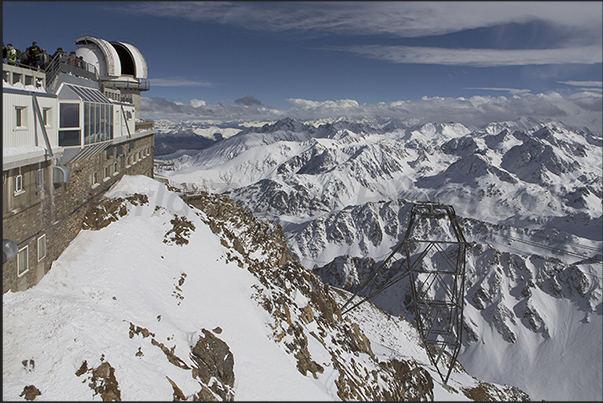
30, 392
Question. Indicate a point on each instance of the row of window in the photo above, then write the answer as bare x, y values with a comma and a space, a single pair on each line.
21, 121
98, 123
113, 169
109, 170
39, 179
24, 79
23, 256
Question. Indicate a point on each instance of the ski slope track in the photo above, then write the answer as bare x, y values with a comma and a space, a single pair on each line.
528, 196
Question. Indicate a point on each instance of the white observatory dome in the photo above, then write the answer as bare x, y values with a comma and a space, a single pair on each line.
112, 60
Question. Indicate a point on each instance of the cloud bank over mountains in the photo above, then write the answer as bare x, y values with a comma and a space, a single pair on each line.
554, 41
579, 109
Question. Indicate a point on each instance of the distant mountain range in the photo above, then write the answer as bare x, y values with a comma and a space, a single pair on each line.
528, 195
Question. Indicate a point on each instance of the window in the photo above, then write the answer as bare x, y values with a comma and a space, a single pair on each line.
102, 118
41, 247
69, 118
22, 261
69, 138
19, 184
70, 115
98, 122
46, 116
94, 178
107, 171
40, 178
115, 171
16, 78
20, 116
87, 123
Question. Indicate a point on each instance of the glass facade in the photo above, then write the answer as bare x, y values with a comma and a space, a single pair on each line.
93, 117
98, 122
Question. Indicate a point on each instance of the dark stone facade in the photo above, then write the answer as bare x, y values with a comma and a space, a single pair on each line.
57, 212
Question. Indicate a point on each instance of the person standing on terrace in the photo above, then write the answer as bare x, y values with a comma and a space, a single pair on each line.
11, 54
57, 52
35, 54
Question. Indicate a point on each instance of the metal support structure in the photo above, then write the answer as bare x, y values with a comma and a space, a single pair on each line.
36, 108
123, 112
432, 254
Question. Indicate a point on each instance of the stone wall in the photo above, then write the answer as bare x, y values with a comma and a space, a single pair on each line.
58, 215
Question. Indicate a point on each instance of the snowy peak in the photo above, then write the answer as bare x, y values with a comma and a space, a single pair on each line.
287, 124
209, 305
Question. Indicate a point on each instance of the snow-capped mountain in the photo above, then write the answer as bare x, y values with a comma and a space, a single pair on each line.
187, 136
203, 301
528, 196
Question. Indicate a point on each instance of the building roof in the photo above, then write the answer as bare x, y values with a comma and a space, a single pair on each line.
89, 94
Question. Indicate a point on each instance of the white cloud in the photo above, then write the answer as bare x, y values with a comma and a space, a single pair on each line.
512, 91
157, 108
479, 57
583, 83
341, 104
195, 103
403, 19
179, 82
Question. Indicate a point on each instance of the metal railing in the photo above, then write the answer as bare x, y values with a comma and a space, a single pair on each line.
141, 84
24, 66
144, 125
63, 63
14, 72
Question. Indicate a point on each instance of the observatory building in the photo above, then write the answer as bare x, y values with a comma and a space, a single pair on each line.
69, 132
121, 68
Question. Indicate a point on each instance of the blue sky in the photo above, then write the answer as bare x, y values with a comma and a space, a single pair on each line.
220, 59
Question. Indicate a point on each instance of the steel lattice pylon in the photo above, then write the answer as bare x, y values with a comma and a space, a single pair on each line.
436, 267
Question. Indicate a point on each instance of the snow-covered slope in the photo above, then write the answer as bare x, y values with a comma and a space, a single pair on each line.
157, 299
179, 136
528, 195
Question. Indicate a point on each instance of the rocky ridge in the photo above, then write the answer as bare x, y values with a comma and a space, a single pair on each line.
528, 195
285, 283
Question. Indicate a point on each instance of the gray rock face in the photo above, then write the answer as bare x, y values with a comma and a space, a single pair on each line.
214, 359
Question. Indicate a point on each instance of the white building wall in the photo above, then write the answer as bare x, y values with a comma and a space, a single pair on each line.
29, 133
119, 123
